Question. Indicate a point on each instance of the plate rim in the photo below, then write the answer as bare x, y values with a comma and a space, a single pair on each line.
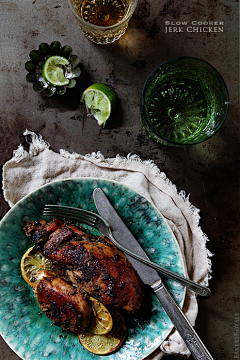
55, 182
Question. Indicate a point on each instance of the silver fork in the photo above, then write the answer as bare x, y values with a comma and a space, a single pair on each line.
96, 221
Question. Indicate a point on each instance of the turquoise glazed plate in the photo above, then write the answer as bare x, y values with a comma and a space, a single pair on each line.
27, 330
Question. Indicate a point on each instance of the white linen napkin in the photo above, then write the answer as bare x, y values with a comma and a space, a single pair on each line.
29, 170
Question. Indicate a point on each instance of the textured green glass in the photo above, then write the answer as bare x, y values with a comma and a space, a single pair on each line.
184, 101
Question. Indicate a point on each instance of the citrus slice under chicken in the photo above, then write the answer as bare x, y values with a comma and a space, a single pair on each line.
102, 319
32, 265
107, 343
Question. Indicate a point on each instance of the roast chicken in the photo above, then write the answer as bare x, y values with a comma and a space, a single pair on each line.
92, 264
67, 306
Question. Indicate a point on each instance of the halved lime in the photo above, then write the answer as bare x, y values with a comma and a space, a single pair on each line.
53, 70
99, 99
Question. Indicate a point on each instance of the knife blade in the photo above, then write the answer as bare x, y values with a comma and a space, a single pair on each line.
150, 276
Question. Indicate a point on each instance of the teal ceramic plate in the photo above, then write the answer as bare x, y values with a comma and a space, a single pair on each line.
26, 329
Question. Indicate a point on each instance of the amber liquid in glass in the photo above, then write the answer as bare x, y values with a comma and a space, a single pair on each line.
102, 12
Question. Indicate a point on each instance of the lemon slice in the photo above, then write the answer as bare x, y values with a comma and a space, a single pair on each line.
101, 322
32, 264
99, 99
108, 343
53, 70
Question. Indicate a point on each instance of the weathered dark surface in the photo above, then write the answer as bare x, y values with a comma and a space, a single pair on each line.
209, 171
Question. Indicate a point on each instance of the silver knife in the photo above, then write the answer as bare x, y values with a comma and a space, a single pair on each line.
151, 277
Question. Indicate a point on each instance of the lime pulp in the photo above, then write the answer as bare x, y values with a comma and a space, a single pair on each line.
99, 99
53, 70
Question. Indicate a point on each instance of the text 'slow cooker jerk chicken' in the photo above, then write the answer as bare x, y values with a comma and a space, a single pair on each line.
92, 263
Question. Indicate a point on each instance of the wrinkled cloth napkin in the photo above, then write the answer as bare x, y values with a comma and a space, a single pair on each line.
29, 170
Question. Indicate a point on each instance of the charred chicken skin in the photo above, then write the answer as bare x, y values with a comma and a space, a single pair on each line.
65, 305
91, 262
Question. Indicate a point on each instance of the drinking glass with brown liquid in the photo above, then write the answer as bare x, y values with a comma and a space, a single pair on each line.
103, 21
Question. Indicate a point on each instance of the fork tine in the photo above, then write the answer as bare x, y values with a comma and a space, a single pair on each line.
73, 217
70, 210
65, 212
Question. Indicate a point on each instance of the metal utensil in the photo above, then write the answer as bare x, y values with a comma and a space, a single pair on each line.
148, 275
151, 277
96, 221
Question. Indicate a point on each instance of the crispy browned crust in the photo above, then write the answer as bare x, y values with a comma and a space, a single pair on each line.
92, 262
65, 305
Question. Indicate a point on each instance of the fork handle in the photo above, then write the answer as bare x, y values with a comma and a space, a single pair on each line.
199, 289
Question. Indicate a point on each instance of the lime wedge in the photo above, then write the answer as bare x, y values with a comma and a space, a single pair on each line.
53, 70
99, 99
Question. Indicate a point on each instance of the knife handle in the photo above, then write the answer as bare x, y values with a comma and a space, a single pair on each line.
183, 326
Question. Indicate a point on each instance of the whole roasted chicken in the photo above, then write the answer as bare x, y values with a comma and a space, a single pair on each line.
92, 263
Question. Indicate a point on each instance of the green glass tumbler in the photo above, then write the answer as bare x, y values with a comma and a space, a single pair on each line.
184, 101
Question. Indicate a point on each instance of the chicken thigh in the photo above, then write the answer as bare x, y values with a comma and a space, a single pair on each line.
65, 305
